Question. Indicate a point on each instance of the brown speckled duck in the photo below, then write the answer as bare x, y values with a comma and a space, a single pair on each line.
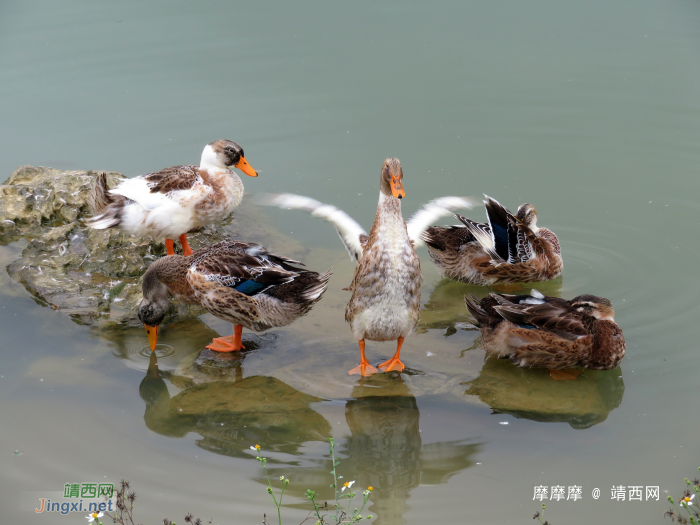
385, 300
550, 332
236, 281
508, 249
171, 202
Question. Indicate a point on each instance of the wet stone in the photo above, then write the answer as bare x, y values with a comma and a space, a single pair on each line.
94, 276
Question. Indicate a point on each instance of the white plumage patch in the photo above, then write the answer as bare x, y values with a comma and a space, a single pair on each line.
347, 227
432, 211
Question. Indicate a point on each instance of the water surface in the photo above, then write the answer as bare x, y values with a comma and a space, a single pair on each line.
590, 111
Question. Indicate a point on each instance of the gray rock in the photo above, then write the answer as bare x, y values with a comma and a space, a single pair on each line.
95, 275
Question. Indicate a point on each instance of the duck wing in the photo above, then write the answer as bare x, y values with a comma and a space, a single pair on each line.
551, 314
505, 238
246, 267
156, 189
354, 237
432, 211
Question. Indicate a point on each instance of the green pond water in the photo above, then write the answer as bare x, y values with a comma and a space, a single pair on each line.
590, 111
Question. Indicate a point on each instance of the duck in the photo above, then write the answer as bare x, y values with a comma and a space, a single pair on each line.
236, 281
385, 300
550, 332
508, 249
173, 201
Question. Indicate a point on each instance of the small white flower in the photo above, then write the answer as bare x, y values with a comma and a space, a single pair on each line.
689, 501
252, 448
347, 485
92, 517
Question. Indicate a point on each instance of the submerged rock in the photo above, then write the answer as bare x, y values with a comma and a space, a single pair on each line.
93, 275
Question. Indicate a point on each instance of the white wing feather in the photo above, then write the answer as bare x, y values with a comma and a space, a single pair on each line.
432, 211
348, 229
138, 190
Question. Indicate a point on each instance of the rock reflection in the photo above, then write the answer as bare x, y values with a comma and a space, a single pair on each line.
533, 394
229, 414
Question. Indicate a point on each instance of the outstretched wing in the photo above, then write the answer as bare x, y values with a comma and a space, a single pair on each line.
354, 237
432, 211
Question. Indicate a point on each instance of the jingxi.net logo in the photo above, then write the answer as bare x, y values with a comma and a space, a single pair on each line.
78, 497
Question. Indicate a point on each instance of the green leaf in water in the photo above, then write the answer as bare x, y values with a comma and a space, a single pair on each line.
117, 290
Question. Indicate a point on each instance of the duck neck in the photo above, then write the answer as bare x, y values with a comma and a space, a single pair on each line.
210, 162
389, 208
389, 223
160, 274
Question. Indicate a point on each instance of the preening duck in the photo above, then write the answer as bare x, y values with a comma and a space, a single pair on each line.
508, 249
236, 281
174, 201
550, 332
385, 300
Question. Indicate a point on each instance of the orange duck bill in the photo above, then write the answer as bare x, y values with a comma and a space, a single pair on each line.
246, 168
397, 188
152, 332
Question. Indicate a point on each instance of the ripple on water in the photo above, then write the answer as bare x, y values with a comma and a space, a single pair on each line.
137, 355
623, 264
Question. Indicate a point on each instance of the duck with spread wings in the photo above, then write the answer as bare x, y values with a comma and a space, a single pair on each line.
385, 300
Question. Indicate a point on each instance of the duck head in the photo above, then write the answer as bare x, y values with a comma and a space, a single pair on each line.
528, 215
153, 306
598, 307
391, 179
226, 154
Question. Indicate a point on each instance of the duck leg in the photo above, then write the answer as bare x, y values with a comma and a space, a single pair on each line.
170, 246
186, 250
364, 368
394, 363
231, 343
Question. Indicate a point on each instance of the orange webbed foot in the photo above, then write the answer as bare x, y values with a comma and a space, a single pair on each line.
225, 344
565, 375
393, 364
363, 369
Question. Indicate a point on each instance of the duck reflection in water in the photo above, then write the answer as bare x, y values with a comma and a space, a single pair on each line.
531, 394
386, 449
231, 414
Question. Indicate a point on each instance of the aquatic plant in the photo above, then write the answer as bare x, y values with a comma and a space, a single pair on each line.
340, 512
540, 516
688, 503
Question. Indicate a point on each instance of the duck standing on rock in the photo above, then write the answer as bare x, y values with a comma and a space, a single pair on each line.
385, 300
550, 332
173, 201
236, 281
508, 249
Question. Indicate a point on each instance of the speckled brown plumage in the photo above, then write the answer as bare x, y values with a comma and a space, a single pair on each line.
239, 282
524, 253
550, 332
385, 300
